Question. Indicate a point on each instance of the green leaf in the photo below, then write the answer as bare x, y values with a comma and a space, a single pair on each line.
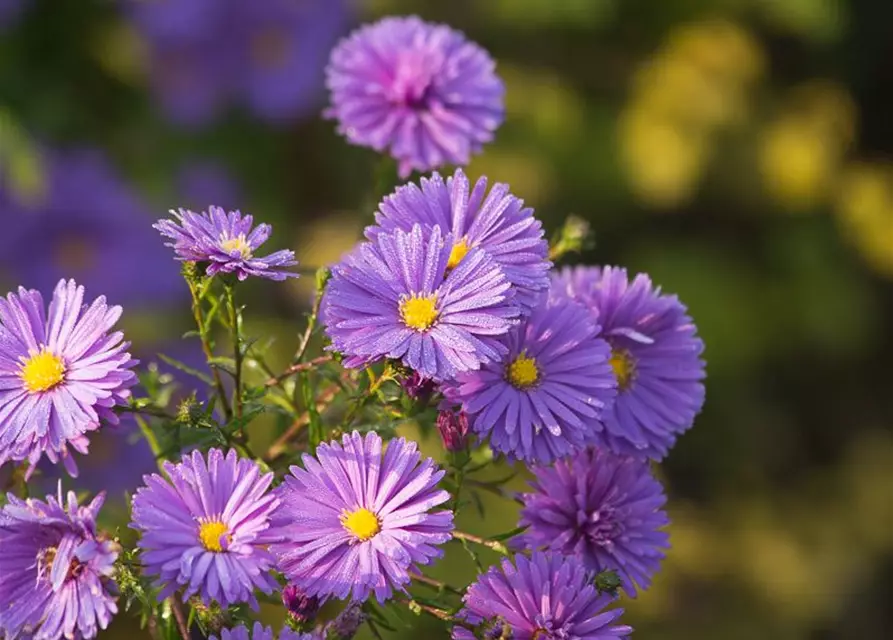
176, 364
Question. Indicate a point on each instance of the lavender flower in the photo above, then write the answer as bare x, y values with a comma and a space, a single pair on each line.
355, 520
603, 509
655, 354
207, 530
56, 569
418, 89
545, 596
61, 373
227, 242
497, 222
260, 632
544, 400
393, 298
87, 224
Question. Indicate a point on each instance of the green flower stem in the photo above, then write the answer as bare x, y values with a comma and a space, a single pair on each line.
204, 335
154, 445
498, 547
235, 326
435, 584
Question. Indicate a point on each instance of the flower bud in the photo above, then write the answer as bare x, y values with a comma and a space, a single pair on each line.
300, 606
346, 624
417, 387
453, 427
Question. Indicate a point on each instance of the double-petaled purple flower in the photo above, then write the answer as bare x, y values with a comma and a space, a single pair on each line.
62, 373
545, 596
543, 401
55, 569
356, 520
396, 298
605, 510
655, 354
227, 242
419, 90
207, 531
497, 222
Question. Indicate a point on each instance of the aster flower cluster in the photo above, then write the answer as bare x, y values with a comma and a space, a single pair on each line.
449, 315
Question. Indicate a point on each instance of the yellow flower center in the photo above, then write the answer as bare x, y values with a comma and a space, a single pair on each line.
362, 523
419, 311
239, 244
42, 371
460, 249
624, 367
522, 372
210, 534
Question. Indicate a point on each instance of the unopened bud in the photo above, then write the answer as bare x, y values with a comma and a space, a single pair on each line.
301, 607
453, 427
495, 629
608, 582
418, 387
346, 624
190, 411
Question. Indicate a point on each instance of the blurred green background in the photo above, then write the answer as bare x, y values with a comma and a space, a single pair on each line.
740, 151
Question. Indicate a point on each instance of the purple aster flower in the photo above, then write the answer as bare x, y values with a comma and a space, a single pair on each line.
395, 298
226, 241
61, 373
356, 520
88, 225
260, 632
544, 596
655, 354
497, 222
418, 89
207, 530
604, 509
272, 62
56, 569
544, 400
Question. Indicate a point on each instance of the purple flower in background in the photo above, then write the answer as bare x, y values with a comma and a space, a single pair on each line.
200, 182
61, 373
56, 569
260, 632
395, 298
88, 225
9, 12
544, 596
272, 61
226, 241
207, 530
497, 222
544, 400
655, 354
419, 90
356, 521
603, 509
